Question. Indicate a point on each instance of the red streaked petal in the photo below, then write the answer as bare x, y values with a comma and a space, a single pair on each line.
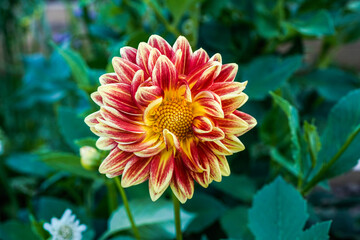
128, 53
163, 46
232, 102
225, 88
118, 96
164, 73
224, 165
218, 148
228, 73
183, 44
119, 120
247, 118
153, 150
184, 92
213, 163
109, 78
115, 161
203, 76
105, 143
182, 183
198, 58
140, 146
142, 57
178, 61
136, 171
170, 140
91, 120
202, 178
124, 69
233, 143
137, 81
216, 57
96, 97
145, 95
215, 134
189, 155
150, 111
202, 124
161, 172
232, 124
120, 136
206, 102
153, 57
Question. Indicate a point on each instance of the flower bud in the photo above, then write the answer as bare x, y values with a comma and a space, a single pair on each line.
90, 157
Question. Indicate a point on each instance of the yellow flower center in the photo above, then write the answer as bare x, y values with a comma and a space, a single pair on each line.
175, 116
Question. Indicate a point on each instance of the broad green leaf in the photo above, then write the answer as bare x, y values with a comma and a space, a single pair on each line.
268, 73
77, 65
235, 223
72, 126
267, 25
312, 139
68, 162
16, 230
293, 121
278, 212
155, 220
28, 163
206, 214
318, 231
341, 135
238, 186
317, 23
332, 83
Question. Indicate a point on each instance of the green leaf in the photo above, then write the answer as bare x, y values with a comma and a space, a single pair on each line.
317, 23
77, 65
312, 139
238, 186
273, 74
235, 223
278, 212
178, 8
155, 220
293, 121
206, 214
28, 163
72, 126
341, 138
68, 162
318, 231
16, 230
283, 161
332, 83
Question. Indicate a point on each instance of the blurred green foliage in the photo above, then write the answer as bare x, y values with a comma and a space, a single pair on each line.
307, 111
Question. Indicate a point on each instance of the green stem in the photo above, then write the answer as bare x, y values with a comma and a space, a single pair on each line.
127, 208
112, 199
168, 26
320, 175
177, 217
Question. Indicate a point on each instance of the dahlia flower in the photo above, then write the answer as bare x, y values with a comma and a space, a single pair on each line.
65, 228
169, 115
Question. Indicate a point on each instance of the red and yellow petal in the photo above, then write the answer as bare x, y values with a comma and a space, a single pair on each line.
232, 102
161, 172
232, 143
222, 89
198, 58
183, 44
115, 161
129, 53
124, 69
232, 124
163, 46
203, 76
228, 73
142, 57
182, 183
109, 78
251, 121
106, 143
164, 74
206, 103
202, 124
137, 170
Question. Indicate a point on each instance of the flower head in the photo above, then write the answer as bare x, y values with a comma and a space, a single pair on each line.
90, 157
169, 115
65, 228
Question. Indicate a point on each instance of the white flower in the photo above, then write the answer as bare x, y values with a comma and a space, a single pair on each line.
66, 228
